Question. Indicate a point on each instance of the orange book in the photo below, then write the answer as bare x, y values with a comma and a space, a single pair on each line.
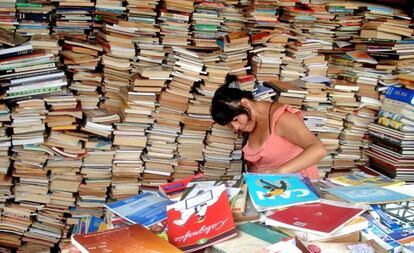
133, 238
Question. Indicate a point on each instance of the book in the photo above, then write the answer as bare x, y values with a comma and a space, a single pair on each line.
400, 94
250, 238
146, 209
368, 194
362, 178
193, 223
132, 238
269, 191
323, 218
174, 189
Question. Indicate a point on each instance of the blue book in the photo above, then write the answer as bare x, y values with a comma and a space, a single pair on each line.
400, 94
147, 208
269, 191
368, 194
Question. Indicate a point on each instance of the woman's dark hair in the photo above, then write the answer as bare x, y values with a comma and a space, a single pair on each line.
226, 101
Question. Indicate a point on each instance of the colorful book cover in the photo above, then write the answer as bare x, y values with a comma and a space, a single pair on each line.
368, 194
132, 238
200, 221
269, 191
363, 178
177, 187
147, 208
322, 218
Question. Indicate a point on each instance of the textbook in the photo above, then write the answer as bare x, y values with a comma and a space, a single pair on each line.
200, 221
147, 208
368, 194
269, 191
323, 218
128, 239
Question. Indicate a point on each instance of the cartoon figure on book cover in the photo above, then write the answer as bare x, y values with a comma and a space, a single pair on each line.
194, 223
274, 189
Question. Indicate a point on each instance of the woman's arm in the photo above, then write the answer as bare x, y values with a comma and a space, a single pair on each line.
293, 129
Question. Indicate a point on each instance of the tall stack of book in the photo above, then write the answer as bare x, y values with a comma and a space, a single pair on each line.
15, 219
236, 162
391, 150
262, 16
206, 23
81, 60
268, 51
8, 20
5, 144
143, 15
347, 25
73, 19
316, 108
291, 93
218, 149
235, 47
233, 18
174, 21
34, 18
48, 43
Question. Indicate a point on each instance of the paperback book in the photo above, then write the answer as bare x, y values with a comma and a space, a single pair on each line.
269, 191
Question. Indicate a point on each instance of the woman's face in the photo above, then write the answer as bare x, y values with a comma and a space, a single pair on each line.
242, 123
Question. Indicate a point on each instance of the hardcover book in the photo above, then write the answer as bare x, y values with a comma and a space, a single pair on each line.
132, 238
269, 191
200, 221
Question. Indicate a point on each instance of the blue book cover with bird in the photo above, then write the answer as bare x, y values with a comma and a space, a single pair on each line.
269, 191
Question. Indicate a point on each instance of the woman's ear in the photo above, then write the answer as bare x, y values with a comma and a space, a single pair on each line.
245, 102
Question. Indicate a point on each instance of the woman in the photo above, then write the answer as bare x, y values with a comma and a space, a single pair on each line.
279, 142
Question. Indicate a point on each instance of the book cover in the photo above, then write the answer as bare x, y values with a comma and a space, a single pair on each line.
250, 238
194, 223
147, 208
269, 191
132, 238
173, 189
363, 178
369, 194
322, 218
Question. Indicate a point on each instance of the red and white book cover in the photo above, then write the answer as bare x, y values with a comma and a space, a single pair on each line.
322, 218
200, 221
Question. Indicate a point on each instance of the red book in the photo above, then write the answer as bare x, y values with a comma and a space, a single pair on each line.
177, 186
323, 218
198, 222
128, 239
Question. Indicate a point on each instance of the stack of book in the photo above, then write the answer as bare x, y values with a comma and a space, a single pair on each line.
48, 43
81, 60
142, 15
5, 140
174, 19
291, 93
219, 145
390, 152
262, 16
15, 220
34, 18
113, 8
347, 25
64, 112
206, 23
73, 19
233, 18
8, 15
268, 51
235, 47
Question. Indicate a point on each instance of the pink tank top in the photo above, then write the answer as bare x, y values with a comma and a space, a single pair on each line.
277, 150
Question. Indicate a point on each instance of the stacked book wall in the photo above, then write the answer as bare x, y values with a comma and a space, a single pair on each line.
103, 100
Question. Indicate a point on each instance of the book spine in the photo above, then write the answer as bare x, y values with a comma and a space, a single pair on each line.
385, 144
3, 56
400, 94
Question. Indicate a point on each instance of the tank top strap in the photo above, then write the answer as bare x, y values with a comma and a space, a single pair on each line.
279, 112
